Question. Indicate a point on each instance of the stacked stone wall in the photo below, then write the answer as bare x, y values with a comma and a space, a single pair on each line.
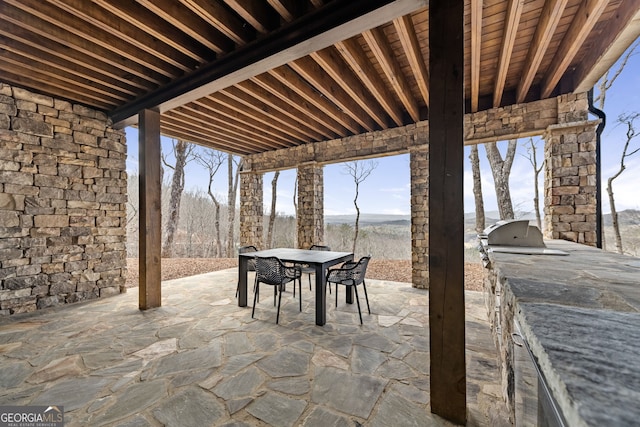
62, 203
251, 210
570, 173
419, 168
310, 206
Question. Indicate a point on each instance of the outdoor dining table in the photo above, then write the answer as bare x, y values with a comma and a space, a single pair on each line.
319, 260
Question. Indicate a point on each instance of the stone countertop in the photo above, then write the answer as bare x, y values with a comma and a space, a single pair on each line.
580, 315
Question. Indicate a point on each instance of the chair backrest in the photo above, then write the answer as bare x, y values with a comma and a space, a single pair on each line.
251, 265
360, 270
319, 248
270, 270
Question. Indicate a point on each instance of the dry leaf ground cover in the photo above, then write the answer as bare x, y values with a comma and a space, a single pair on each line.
379, 269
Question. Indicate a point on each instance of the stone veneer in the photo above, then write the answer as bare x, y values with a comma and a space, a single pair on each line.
570, 173
419, 168
63, 194
251, 210
310, 205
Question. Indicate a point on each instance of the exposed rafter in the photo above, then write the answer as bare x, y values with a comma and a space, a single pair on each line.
476, 46
508, 39
551, 14
282, 73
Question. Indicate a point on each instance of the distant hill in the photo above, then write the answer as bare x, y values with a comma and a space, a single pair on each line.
627, 217
369, 219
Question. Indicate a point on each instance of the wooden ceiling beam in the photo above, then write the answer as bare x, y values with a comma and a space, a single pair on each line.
221, 18
174, 127
549, 18
221, 120
476, 47
379, 45
78, 32
52, 74
264, 118
315, 75
256, 12
139, 16
616, 36
79, 46
333, 65
245, 120
353, 54
123, 30
32, 53
54, 87
514, 11
407, 34
288, 9
187, 117
324, 111
584, 21
191, 24
337, 20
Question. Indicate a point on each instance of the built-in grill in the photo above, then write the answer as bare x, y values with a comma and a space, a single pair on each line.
515, 236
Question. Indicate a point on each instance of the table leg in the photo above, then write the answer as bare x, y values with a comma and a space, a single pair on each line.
242, 281
321, 295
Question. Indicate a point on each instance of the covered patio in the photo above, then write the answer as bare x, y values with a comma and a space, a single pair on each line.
287, 84
201, 360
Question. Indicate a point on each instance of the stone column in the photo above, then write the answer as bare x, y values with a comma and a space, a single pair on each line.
419, 164
310, 213
251, 216
570, 173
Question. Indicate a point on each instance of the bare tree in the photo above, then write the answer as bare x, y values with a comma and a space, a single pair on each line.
603, 86
533, 159
501, 169
183, 152
272, 214
211, 160
359, 171
231, 201
606, 82
477, 188
629, 121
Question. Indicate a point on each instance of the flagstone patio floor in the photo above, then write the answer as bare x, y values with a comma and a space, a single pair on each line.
201, 360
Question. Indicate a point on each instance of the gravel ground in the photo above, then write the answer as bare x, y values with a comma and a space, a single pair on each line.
379, 269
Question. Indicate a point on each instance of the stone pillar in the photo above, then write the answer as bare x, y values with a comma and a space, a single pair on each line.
419, 166
570, 173
251, 216
310, 213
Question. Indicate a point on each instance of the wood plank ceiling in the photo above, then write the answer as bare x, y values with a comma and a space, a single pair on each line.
111, 54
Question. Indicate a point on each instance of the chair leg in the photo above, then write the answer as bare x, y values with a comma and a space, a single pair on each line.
358, 301
255, 297
300, 289
364, 285
279, 299
237, 289
336, 295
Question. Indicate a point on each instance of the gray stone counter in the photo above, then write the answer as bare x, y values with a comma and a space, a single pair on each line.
580, 315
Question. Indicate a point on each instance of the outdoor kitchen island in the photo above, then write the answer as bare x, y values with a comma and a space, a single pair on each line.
567, 328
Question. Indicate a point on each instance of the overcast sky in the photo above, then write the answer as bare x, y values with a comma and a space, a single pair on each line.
386, 191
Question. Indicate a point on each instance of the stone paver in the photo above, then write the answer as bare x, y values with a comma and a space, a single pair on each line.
202, 360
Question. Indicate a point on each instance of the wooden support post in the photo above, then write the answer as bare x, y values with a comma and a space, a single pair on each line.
446, 210
150, 210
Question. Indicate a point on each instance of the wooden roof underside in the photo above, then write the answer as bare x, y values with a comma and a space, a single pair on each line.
248, 76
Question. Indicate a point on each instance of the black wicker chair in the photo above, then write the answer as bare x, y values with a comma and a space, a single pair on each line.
271, 271
310, 270
251, 264
351, 274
